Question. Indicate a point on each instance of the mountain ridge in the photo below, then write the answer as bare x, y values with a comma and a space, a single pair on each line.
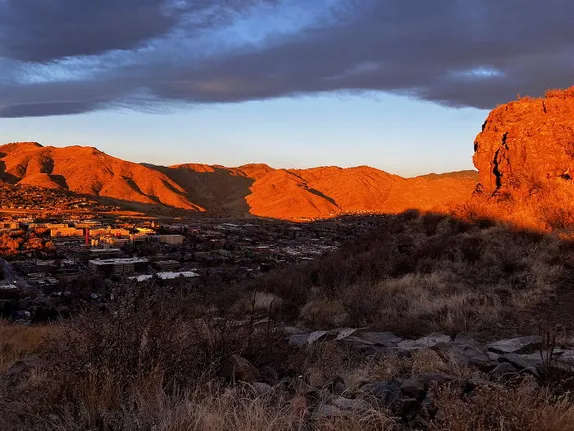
255, 188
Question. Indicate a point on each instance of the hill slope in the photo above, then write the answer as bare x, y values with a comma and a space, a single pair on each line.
525, 156
255, 189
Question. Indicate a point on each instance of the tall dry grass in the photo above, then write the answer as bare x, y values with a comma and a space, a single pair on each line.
18, 342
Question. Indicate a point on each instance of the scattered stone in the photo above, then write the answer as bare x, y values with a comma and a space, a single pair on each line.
413, 388
438, 378
240, 369
337, 385
298, 339
301, 387
493, 356
328, 411
269, 375
516, 345
466, 339
424, 342
523, 363
386, 392
350, 405
503, 371
344, 333
315, 336
386, 339
262, 388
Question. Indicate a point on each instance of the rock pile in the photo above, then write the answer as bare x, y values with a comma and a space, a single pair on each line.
407, 398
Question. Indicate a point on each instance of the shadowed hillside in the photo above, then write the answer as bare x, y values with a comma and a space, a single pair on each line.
255, 189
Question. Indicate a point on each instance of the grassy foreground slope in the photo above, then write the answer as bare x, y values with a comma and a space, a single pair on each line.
160, 358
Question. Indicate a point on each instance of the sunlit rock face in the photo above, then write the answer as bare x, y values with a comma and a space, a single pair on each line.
527, 144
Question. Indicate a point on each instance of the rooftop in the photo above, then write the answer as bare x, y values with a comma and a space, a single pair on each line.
118, 261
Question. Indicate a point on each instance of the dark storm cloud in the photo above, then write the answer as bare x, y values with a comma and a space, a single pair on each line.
455, 52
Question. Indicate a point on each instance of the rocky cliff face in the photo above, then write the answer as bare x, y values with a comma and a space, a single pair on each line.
527, 144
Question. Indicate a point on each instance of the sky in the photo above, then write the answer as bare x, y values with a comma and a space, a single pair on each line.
401, 85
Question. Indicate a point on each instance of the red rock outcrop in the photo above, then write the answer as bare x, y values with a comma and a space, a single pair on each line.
526, 143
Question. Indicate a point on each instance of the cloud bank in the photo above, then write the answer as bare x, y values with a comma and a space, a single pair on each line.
73, 56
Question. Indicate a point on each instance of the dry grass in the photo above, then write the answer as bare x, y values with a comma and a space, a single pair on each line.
419, 274
19, 341
497, 408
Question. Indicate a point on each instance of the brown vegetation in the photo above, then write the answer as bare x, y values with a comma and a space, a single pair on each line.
418, 274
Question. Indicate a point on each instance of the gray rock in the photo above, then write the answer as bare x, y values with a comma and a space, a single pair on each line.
466, 340
503, 371
438, 378
471, 355
523, 363
413, 388
315, 336
386, 339
328, 411
301, 387
262, 388
344, 333
424, 342
240, 369
516, 345
298, 339
493, 356
337, 385
386, 392
269, 375
567, 357
350, 405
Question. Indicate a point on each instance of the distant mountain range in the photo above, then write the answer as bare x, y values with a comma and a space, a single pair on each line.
255, 189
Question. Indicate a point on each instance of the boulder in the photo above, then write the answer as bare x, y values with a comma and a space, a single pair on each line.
516, 345
465, 339
387, 392
385, 339
315, 336
435, 378
414, 388
262, 388
240, 369
503, 371
337, 385
269, 375
350, 405
424, 342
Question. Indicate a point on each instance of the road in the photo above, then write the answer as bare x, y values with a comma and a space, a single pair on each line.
9, 274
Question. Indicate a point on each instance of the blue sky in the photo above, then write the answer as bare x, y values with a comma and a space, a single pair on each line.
393, 133
402, 85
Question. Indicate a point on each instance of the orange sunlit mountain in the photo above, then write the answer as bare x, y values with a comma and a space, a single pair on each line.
255, 189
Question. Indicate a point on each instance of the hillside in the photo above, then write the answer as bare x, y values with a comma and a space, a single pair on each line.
525, 158
255, 189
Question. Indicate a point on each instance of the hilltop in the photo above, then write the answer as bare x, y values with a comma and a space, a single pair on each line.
255, 189
525, 158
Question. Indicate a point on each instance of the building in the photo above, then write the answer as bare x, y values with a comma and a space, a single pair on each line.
122, 266
66, 231
105, 253
167, 265
165, 276
170, 239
